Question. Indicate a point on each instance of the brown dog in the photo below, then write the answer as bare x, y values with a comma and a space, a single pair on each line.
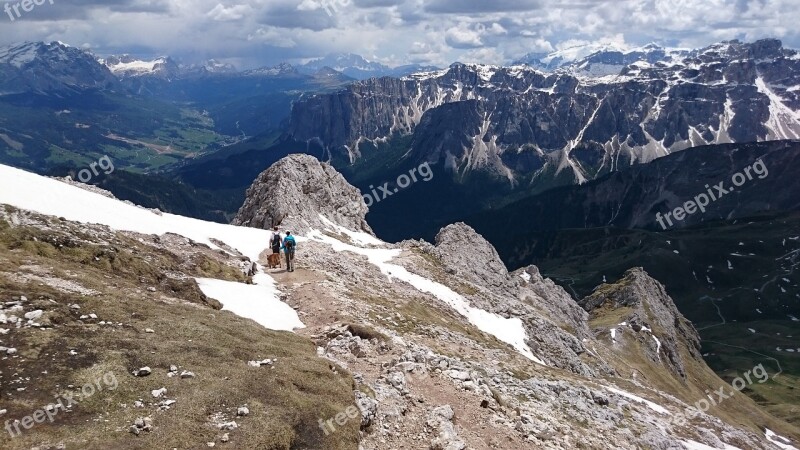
274, 260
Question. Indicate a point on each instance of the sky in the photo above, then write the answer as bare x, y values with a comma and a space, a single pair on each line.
254, 33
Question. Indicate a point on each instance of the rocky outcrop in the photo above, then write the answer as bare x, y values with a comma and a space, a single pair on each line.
641, 303
293, 194
468, 255
554, 322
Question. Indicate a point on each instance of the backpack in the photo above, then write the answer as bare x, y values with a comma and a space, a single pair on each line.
276, 241
289, 243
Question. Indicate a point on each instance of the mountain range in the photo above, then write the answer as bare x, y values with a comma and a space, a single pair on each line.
530, 128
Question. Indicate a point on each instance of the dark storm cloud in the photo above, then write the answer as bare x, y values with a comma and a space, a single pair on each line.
287, 15
83, 9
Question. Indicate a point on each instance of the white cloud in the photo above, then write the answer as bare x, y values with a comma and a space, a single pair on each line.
463, 38
223, 14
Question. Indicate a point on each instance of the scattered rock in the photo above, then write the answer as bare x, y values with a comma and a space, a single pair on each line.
441, 419
34, 315
243, 411
141, 424
228, 426
142, 372
265, 362
460, 375
158, 393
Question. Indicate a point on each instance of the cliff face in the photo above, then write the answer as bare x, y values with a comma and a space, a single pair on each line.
516, 121
296, 191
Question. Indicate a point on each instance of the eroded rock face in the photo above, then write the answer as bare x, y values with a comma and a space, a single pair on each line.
648, 307
295, 191
471, 256
545, 309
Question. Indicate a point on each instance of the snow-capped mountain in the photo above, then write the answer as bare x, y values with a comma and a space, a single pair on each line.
549, 61
358, 67
521, 124
282, 69
214, 66
36, 67
597, 60
125, 66
164, 67
350, 64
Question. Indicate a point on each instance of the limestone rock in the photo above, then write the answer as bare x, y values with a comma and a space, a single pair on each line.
295, 191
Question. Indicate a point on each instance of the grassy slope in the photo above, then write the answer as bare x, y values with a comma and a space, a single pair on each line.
285, 402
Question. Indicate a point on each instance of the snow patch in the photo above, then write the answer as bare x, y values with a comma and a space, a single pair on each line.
358, 237
654, 406
137, 67
780, 441
258, 301
694, 445
510, 331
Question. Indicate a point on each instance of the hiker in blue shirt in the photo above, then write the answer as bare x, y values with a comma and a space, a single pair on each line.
289, 245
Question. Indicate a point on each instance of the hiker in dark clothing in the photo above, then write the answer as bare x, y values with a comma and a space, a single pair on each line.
289, 245
275, 243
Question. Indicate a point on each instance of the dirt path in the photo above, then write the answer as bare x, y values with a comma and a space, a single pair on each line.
305, 293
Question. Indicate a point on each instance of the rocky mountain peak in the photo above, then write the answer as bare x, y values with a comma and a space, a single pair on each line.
469, 255
294, 192
641, 303
52, 68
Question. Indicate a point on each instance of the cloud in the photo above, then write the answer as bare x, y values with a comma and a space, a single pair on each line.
463, 38
266, 32
223, 14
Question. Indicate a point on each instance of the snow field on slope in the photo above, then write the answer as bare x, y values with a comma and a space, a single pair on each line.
48, 196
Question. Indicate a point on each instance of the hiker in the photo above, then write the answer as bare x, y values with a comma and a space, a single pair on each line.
289, 245
275, 241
